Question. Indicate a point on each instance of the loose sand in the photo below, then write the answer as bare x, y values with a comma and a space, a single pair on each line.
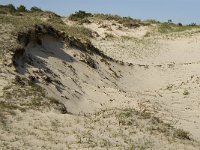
111, 106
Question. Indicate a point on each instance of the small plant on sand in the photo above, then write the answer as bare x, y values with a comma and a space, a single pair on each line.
186, 92
181, 134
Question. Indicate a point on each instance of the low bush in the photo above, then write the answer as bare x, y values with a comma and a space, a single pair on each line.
22, 8
169, 28
36, 9
79, 15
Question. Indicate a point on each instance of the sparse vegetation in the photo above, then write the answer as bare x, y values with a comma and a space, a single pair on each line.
186, 92
83, 17
36, 9
21, 8
129, 117
89, 61
181, 134
79, 15
125, 21
152, 21
109, 36
10, 8
42, 86
26, 22
170, 28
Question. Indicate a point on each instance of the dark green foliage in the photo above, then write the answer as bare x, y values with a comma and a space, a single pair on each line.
21, 8
108, 17
192, 24
79, 15
180, 24
125, 21
7, 8
11, 8
169, 21
36, 9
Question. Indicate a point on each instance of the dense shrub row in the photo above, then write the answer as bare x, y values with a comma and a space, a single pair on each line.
12, 9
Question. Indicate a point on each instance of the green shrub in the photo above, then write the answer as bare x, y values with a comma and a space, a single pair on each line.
108, 17
11, 7
7, 8
36, 9
125, 21
21, 8
79, 15
186, 92
180, 24
2, 12
192, 24
131, 25
152, 21
84, 20
181, 134
165, 28
169, 28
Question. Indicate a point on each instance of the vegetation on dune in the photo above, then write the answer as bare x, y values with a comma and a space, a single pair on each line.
4, 9
24, 93
36, 9
28, 21
21, 8
21, 18
126, 21
83, 17
10, 8
21, 15
129, 117
166, 27
31, 19
152, 21
79, 15
171, 27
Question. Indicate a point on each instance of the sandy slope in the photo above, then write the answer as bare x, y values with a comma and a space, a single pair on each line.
168, 76
109, 105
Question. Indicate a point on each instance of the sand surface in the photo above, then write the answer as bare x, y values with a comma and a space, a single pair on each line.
110, 105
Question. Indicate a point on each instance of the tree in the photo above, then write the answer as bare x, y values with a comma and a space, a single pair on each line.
11, 7
169, 21
192, 24
79, 15
21, 8
180, 24
35, 9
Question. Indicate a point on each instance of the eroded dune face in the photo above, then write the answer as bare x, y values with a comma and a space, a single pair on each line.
68, 94
68, 74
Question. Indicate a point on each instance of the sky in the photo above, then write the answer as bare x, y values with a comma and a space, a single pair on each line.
184, 11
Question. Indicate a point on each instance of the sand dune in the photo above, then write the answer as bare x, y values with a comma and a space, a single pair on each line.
64, 94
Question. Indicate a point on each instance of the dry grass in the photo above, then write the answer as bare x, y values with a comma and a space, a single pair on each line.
172, 28
24, 22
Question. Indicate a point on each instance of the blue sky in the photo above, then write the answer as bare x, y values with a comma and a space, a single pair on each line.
185, 11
